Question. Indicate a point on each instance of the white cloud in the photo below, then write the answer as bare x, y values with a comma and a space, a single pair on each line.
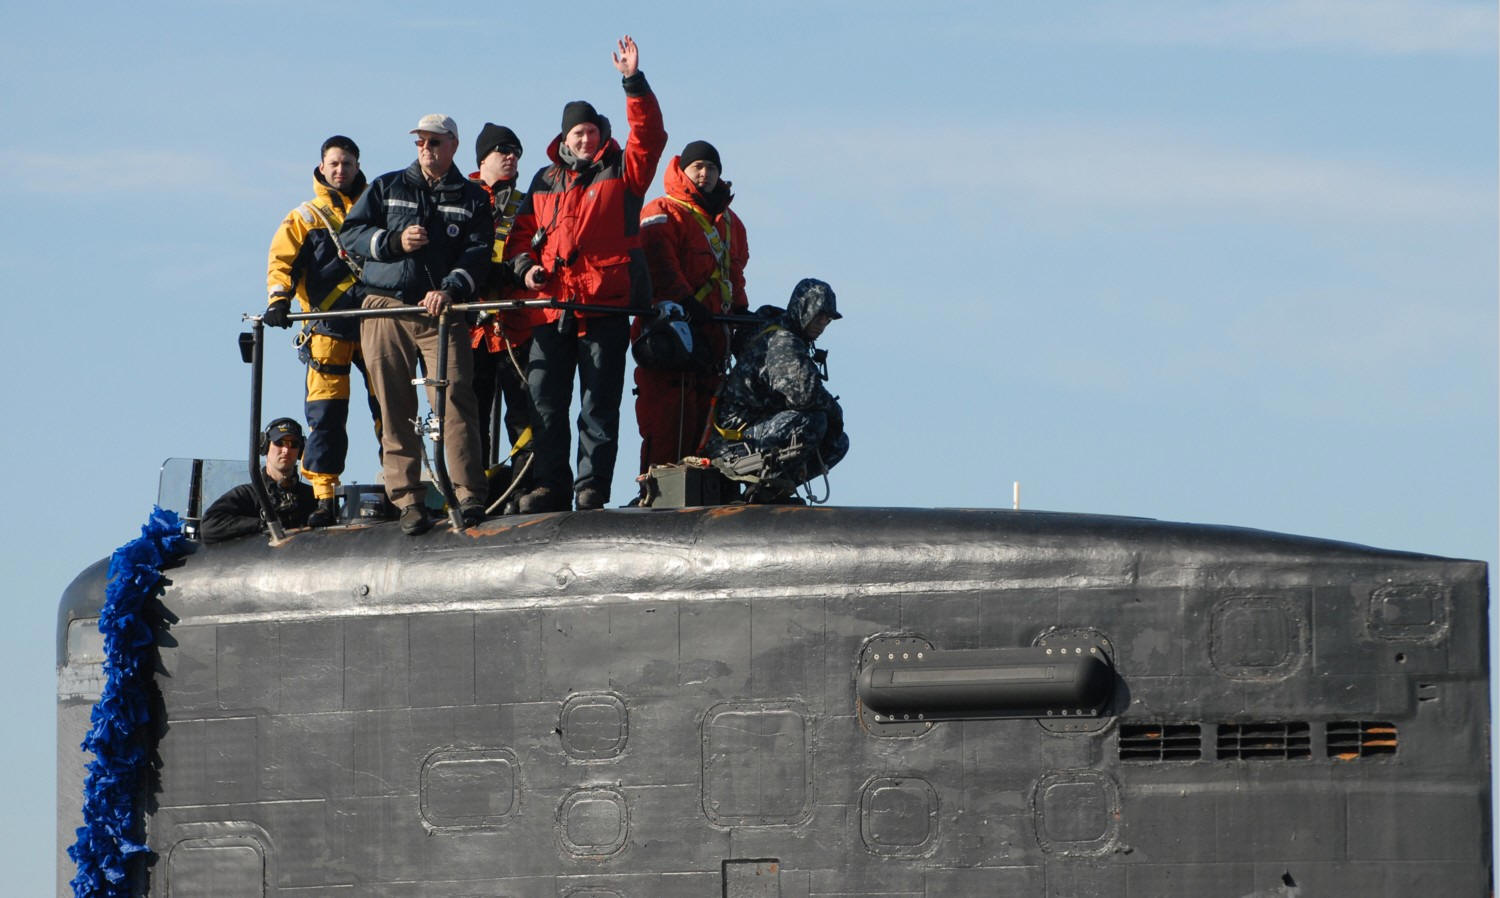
1369, 26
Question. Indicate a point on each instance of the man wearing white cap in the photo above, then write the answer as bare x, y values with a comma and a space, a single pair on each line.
425, 235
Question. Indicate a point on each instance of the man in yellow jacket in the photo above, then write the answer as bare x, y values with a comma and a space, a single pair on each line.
308, 262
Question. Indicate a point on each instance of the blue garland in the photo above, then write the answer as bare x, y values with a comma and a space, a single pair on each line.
118, 737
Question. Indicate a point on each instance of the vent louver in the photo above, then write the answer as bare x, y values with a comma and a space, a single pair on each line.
1278, 741
1160, 742
1349, 740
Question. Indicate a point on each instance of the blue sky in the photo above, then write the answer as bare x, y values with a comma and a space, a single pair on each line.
1222, 262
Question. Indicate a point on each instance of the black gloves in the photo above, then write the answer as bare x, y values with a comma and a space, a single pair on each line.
696, 312
276, 314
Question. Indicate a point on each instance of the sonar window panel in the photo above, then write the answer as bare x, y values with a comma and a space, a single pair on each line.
1160, 742
1349, 740
1276, 741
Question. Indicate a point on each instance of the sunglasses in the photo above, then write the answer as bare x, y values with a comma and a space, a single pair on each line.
429, 141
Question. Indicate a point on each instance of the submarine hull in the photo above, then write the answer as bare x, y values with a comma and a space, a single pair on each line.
623, 703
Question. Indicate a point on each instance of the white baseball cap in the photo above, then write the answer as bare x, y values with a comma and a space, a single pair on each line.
436, 123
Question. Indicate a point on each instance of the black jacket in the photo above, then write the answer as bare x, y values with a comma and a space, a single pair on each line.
460, 231
236, 513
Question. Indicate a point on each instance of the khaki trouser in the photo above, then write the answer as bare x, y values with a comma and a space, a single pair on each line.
391, 348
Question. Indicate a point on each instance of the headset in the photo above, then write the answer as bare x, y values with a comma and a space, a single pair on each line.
265, 435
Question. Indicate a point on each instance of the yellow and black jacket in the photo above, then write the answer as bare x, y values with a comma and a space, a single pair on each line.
305, 261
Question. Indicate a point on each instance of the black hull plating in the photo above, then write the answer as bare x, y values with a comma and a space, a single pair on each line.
664, 703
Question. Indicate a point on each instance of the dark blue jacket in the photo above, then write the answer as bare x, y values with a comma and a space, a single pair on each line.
460, 230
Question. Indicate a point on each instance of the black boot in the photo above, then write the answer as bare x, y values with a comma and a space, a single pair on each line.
472, 511
414, 519
325, 515
543, 499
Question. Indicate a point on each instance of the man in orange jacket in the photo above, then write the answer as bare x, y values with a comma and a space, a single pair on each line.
696, 250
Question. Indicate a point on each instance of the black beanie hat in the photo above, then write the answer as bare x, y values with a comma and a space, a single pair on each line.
494, 137
700, 151
577, 113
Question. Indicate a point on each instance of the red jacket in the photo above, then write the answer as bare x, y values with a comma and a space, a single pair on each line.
592, 248
677, 247
513, 325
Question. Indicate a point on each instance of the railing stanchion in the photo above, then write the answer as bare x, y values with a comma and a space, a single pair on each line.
440, 408
257, 470
439, 382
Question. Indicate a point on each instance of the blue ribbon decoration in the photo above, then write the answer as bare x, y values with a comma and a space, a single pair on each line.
120, 736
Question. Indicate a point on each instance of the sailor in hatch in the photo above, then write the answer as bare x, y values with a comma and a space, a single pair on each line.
237, 513
774, 405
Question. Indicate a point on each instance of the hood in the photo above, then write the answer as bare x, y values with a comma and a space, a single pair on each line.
322, 189
810, 298
491, 188
677, 184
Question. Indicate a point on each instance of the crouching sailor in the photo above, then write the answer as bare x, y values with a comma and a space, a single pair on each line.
776, 424
237, 512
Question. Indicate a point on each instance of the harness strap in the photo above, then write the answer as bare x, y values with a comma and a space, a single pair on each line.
355, 271
504, 222
326, 216
733, 434
507, 217
719, 245
325, 368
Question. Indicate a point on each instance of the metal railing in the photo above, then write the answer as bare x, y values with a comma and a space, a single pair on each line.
253, 351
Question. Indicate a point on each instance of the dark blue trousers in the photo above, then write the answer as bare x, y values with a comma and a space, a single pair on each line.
598, 360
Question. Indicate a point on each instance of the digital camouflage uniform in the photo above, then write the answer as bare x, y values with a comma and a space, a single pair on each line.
774, 401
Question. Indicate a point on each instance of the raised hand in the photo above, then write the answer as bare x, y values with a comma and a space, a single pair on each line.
628, 58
